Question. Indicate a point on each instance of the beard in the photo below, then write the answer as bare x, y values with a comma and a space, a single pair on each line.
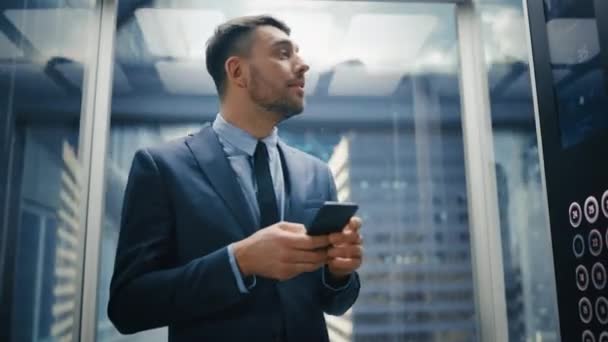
279, 102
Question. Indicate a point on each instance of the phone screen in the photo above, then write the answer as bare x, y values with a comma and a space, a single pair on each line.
332, 217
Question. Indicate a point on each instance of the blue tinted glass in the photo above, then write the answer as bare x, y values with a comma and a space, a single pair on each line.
578, 78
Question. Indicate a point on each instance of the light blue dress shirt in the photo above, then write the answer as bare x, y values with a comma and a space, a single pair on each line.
239, 147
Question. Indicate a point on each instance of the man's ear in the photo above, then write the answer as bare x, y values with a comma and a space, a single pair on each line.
235, 71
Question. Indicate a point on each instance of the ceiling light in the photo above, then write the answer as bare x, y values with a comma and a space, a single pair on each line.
186, 78
179, 33
57, 32
385, 40
357, 80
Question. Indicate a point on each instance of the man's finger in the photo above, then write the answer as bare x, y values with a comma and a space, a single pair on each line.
292, 227
346, 236
307, 242
297, 238
344, 264
352, 238
346, 251
354, 224
310, 257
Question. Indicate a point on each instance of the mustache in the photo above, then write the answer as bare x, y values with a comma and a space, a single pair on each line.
296, 82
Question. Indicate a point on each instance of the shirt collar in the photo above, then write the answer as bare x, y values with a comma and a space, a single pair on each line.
240, 139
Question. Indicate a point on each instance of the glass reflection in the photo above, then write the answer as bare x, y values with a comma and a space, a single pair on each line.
383, 109
43, 60
527, 257
574, 49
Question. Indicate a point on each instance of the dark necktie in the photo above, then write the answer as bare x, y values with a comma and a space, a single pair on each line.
267, 200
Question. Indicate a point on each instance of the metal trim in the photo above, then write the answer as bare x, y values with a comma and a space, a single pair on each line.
539, 139
411, 1
486, 248
95, 134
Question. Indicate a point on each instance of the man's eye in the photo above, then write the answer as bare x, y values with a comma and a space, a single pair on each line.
284, 53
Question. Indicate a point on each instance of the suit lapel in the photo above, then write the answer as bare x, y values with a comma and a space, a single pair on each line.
212, 160
292, 173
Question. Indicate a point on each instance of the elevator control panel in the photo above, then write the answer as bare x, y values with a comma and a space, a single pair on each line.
568, 47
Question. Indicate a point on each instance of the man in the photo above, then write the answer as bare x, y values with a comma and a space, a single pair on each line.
213, 241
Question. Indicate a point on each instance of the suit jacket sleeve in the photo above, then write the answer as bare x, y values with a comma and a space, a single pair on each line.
337, 302
148, 289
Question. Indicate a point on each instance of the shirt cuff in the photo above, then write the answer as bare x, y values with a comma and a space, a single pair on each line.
240, 282
334, 287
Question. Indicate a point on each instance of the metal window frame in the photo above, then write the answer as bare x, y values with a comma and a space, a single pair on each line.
486, 247
412, 1
536, 106
486, 244
94, 136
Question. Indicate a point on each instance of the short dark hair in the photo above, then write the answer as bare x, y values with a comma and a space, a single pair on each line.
233, 38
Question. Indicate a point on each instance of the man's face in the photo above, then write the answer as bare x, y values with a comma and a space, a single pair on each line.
276, 72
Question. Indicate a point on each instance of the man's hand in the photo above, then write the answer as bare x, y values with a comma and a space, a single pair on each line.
346, 251
281, 251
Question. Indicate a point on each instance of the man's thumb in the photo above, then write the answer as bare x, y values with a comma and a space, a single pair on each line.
292, 227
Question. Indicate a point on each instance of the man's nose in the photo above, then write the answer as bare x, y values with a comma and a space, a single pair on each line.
301, 66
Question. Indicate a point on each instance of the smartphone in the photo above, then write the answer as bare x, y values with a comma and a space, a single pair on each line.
332, 217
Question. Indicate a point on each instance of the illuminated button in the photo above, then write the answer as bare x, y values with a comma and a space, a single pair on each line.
582, 278
605, 204
575, 215
604, 337
588, 336
598, 275
591, 209
595, 242
578, 246
601, 310
585, 310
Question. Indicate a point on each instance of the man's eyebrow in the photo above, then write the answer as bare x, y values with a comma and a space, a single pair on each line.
285, 42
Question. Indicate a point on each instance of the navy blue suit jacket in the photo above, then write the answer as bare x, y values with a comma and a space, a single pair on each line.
183, 206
